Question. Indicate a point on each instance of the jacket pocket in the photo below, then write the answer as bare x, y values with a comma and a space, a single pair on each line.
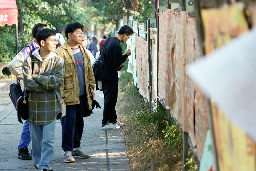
68, 95
68, 81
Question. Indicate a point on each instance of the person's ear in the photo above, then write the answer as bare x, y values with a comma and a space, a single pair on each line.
42, 43
69, 35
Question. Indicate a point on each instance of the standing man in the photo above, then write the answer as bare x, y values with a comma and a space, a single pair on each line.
112, 59
16, 69
43, 77
77, 93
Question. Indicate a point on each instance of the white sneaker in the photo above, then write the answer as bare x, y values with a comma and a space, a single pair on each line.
120, 123
68, 158
80, 152
110, 126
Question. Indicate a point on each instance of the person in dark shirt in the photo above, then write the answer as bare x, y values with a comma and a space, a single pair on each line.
112, 59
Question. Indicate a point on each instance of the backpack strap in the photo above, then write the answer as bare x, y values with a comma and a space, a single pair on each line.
32, 58
32, 62
18, 80
26, 92
30, 53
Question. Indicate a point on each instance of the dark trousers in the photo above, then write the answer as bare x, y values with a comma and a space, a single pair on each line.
72, 126
110, 90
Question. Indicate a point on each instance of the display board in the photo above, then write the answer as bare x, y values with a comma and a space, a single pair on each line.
142, 66
235, 149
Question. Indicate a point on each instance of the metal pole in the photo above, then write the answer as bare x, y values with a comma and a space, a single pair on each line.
156, 8
185, 150
200, 32
169, 116
16, 36
182, 5
157, 26
169, 4
21, 27
149, 62
199, 26
212, 133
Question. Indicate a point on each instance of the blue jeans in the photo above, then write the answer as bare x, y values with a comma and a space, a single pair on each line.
72, 126
25, 136
42, 143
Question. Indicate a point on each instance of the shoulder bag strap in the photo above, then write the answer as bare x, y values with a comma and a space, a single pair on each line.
32, 62
32, 58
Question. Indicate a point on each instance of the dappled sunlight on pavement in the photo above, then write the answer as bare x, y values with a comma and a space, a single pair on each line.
106, 148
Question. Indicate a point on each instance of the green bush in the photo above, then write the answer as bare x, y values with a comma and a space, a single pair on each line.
8, 45
152, 143
173, 136
7, 50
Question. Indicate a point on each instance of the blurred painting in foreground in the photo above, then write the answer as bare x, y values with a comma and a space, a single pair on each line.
227, 76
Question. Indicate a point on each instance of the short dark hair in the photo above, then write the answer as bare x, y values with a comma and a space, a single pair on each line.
36, 28
71, 27
43, 34
125, 30
104, 37
58, 29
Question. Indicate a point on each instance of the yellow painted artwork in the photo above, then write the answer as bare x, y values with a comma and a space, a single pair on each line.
235, 149
222, 25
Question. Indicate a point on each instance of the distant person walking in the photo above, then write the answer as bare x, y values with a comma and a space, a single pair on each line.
93, 46
77, 92
101, 43
84, 45
59, 37
112, 59
16, 69
44, 82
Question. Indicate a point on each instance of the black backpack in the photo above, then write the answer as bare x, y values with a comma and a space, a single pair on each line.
97, 68
20, 101
19, 98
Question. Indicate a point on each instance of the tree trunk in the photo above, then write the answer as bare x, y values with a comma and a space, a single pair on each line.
103, 31
134, 5
21, 26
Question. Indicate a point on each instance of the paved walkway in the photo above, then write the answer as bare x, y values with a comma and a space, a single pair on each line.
107, 148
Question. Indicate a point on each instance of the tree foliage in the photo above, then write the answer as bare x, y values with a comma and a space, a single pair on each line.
57, 12
114, 10
100, 13
52, 13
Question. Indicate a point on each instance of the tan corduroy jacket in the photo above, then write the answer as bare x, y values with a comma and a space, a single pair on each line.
70, 90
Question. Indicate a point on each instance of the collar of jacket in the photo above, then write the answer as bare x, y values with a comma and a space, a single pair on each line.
69, 50
34, 45
37, 55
